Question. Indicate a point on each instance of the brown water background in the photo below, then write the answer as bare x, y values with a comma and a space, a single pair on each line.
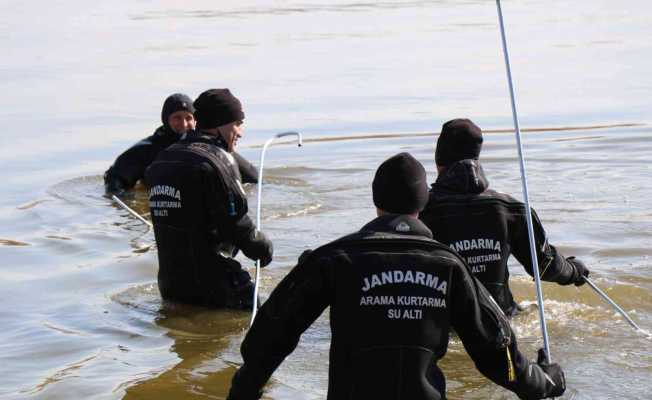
81, 81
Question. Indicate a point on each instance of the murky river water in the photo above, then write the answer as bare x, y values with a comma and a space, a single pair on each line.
81, 315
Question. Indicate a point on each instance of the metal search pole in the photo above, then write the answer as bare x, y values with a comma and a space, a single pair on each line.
528, 214
613, 304
131, 211
259, 207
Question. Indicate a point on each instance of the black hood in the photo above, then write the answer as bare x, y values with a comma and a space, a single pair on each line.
174, 103
462, 177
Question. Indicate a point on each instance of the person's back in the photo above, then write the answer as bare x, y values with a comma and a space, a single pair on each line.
199, 210
485, 226
181, 183
394, 296
393, 302
389, 310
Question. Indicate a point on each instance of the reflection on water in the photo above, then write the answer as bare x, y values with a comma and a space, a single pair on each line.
199, 337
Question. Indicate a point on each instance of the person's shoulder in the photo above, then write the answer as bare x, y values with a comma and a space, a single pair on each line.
158, 134
334, 248
503, 199
498, 195
511, 205
439, 197
163, 137
137, 151
331, 248
355, 241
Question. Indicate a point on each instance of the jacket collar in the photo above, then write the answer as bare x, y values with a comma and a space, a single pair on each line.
398, 224
166, 132
199, 136
462, 177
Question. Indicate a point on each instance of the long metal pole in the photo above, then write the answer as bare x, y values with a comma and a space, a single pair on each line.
528, 214
130, 211
259, 208
613, 304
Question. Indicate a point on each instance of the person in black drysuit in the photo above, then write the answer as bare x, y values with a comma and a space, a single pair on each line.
394, 296
199, 211
486, 226
177, 117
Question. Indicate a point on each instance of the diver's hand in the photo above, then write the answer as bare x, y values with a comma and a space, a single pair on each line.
268, 252
581, 271
554, 375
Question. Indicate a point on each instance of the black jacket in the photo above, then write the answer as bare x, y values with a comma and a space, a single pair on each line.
485, 227
394, 296
130, 166
199, 210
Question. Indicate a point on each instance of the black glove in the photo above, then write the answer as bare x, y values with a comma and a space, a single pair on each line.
248, 172
268, 251
113, 184
554, 375
581, 271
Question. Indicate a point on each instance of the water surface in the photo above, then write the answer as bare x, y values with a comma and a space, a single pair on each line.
362, 81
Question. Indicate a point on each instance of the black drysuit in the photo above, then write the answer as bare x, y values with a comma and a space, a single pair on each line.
485, 227
130, 166
199, 210
394, 296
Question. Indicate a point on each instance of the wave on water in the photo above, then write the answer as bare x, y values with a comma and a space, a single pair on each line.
307, 210
145, 298
560, 315
64, 330
181, 319
86, 194
82, 190
402, 135
89, 191
623, 252
251, 11
295, 170
284, 181
32, 204
66, 372
11, 242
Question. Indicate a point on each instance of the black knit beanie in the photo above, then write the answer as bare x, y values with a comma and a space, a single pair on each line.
459, 139
174, 103
217, 107
400, 185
